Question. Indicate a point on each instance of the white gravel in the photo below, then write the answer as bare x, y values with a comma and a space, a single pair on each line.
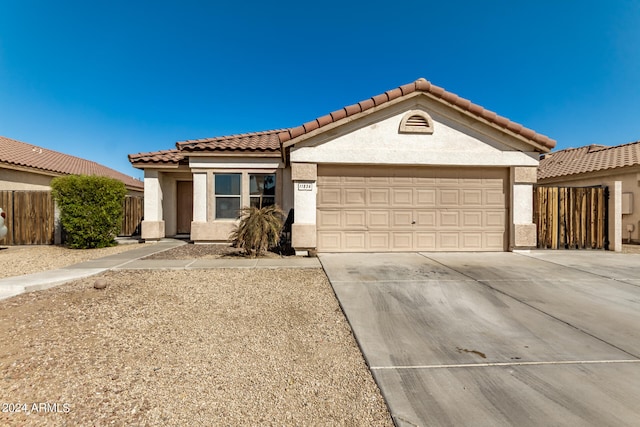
202, 347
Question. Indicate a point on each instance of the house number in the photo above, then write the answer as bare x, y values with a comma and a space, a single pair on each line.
305, 186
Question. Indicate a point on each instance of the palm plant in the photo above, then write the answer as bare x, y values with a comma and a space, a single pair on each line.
258, 229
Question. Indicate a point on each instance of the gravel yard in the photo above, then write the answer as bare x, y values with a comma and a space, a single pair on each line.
207, 251
19, 260
200, 347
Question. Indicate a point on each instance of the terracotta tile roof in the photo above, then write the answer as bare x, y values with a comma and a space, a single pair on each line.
420, 85
269, 143
18, 153
589, 158
264, 142
163, 157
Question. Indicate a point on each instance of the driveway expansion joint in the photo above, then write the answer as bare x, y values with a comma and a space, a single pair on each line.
504, 364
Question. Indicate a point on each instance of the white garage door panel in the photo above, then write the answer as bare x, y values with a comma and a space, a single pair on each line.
411, 208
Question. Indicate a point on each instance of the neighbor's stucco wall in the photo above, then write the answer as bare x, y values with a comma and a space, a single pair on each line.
630, 183
23, 181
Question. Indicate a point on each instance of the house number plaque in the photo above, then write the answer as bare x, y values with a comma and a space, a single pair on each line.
305, 186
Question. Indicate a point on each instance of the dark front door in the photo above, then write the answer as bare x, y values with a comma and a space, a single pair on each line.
185, 207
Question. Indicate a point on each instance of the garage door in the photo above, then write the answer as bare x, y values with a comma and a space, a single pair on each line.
369, 209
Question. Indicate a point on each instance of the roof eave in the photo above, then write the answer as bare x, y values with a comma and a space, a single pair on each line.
348, 119
538, 147
234, 153
155, 165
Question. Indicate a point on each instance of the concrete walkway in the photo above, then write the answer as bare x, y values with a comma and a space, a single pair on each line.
132, 259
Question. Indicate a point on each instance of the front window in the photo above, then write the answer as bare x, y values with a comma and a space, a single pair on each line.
262, 188
227, 192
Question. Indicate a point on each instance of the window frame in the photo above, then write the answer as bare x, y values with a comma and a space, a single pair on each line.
261, 196
245, 190
217, 196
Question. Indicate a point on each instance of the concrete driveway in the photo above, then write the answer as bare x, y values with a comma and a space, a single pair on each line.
498, 339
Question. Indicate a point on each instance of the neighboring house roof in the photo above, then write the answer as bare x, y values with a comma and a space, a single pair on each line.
270, 143
420, 85
17, 153
590, 158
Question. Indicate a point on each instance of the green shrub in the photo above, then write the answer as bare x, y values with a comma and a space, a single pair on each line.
258, 229
90, 209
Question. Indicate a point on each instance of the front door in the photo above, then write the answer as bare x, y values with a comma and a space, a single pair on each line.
185, 207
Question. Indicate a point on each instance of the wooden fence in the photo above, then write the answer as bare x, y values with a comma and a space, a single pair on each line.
31, 217
571, 217
133, 208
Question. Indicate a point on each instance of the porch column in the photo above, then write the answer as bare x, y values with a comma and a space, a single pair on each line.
153, 223
200, 228
523, 233
615, 216
199, 197
303, 230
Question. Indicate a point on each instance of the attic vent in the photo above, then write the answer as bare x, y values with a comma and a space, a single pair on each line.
416, 122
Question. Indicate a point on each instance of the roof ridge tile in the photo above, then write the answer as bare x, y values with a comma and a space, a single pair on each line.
423, 85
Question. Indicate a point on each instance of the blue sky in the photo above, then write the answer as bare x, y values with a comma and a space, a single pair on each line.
100, 80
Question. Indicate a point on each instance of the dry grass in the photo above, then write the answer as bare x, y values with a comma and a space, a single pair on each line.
215, 347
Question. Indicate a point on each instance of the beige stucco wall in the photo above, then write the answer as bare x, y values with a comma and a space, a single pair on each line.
456, 140
153, 226
630, 181
205, 227
23, 181
160, 202
375, 139
287, 190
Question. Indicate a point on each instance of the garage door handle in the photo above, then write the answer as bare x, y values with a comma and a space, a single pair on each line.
413, 222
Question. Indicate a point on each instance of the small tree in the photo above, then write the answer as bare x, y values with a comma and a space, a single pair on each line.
90, 209
258, 229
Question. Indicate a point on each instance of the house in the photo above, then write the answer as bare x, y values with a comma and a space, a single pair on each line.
414, 168
27, 167
26, 172
617, 167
